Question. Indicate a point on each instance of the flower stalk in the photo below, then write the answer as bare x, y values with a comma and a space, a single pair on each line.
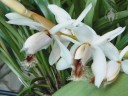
19, 8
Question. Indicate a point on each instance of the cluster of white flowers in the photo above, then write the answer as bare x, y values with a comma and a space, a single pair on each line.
87, 45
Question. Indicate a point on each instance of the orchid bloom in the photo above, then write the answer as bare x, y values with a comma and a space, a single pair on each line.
89, 45
40, 40
61, 17
37, 41
116, 63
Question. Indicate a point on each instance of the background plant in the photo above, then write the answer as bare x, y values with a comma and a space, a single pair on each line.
48, 78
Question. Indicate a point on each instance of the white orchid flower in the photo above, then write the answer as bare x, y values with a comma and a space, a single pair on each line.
38, 41
89, 45
90, 42
42, 40
116, 63
61, 17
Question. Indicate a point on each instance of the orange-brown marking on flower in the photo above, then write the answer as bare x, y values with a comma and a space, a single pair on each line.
87, 44
92, 80
119, 62
29, 58
47, 32
79, 69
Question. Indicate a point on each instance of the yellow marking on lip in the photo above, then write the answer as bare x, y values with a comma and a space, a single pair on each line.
119, 62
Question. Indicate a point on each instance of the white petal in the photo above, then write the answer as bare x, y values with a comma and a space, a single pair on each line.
113, 69
60, 14
110, 51
125, 66
86, 55
60, 26
25, 22
55, 54
99, 65
14, 15
65, 54
79, 52
108, 36
73, 49
39, 28
83, 32
83, 14
118, 33
123, 52
36, 42
62, 64
17, 19
66, 31
71, 40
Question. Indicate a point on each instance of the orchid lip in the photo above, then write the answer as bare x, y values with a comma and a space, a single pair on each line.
78, 71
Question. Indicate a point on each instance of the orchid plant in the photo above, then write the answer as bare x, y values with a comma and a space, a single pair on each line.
73, 47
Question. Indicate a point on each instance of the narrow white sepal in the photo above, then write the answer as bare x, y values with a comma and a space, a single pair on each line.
55, 54
60, 26
108, 36
123, 52
60, 14
17, 19
36, 42
118, 33
125, 66
14, 15
110, 51
65, 54
79, 52
73, 49
25, 22
72, 40
99, 66
113, 69
83, 32
86, 55
62, 64
83, 14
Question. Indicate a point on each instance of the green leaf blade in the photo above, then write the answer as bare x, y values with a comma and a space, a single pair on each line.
83, 88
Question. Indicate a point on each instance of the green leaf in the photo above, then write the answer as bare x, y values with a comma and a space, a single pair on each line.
89, 18
83, 88
103, 22
43, 5
123, 42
